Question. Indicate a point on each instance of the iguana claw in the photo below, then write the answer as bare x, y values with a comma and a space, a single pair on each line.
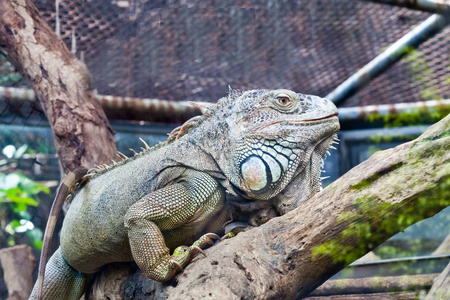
206, 239
198, 250
177, 265
183, 255
213, 236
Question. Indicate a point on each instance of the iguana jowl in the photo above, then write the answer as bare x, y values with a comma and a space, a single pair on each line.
250, 145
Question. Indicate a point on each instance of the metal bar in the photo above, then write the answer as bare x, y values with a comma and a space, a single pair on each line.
401, 259
148, 109
365, 135
424, 5
362, 112
123, 107
387, 58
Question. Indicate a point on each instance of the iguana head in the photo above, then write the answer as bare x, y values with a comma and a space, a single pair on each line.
274, 136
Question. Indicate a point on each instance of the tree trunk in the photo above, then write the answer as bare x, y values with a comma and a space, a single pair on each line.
81, 131
18, 263
291, 255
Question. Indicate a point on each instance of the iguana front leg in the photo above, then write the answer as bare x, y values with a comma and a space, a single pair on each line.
190, 203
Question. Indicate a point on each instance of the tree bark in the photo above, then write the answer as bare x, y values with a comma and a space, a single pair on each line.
291, 255
81, 131
441, 286
18, 263
444, 247
375, 285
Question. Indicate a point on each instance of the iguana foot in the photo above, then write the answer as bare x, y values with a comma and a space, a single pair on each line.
182, 255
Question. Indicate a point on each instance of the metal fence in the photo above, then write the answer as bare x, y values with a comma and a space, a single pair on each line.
192, 50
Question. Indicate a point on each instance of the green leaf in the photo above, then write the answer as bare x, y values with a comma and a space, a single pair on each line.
18, 199
35, 236
9, 151
15, 224
9, 181
24, 214
21, 151
11, 242
19, 207
2, 196
30, 186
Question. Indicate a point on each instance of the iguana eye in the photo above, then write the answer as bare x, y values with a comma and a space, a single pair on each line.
284, 101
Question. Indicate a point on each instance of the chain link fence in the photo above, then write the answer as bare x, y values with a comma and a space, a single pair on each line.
193, 50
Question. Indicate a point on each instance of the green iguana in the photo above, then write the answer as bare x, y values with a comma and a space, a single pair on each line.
249, 146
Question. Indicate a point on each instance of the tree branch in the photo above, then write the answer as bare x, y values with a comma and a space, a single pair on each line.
81, 131
441, 286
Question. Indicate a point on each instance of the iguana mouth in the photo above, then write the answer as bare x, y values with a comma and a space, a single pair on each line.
307, 120
296, 121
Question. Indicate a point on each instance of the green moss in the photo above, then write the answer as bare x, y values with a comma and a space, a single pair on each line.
371, 221
365, 183
423, 78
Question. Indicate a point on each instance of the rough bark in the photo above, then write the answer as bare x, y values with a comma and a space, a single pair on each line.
444, 247
375, 285
408, 295
81, 131
290, 256
18, 263
441, 286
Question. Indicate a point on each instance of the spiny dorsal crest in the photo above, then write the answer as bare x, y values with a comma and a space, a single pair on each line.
207, 110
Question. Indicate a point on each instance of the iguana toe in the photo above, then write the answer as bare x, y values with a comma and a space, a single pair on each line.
197, 249
206, 239
177, 265
165, 269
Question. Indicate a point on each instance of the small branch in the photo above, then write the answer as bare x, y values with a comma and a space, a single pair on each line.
375, 285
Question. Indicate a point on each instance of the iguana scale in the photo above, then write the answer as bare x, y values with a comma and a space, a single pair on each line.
249, 146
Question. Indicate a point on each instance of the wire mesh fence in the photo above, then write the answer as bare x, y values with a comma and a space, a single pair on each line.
193, 50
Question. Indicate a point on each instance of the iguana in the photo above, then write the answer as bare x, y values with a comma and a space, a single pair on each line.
248, 146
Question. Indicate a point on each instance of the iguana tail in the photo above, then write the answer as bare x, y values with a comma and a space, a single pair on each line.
66, 187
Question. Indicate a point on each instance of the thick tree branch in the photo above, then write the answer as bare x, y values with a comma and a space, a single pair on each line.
441, 286
291, 255
82, 134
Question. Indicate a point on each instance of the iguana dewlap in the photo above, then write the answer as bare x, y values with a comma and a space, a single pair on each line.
250, 145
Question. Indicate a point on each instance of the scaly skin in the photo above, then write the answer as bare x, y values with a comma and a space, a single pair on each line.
249, 146
66, 187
